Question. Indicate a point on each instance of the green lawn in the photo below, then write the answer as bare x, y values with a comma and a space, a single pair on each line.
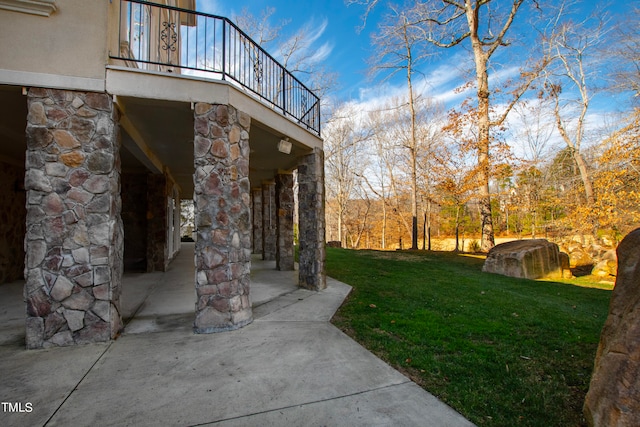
499, 350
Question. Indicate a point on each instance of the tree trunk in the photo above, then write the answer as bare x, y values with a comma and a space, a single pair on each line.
341, 238
424, 232
414, 166
384, 224
586, 179
429, 225
575, 148
487, 241
457, 229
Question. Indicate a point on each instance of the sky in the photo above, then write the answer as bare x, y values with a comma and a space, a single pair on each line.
347, 47
344, 47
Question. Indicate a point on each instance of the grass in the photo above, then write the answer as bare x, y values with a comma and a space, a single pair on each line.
501, 351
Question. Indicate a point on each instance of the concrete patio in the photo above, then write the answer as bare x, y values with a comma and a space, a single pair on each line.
290, 367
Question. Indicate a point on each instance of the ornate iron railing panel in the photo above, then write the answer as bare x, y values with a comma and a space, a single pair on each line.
170, 39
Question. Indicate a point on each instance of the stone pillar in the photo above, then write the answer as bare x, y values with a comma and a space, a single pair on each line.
257, 220
222, 202
157, 245
284, 223
74, 238
269, 221
311, 221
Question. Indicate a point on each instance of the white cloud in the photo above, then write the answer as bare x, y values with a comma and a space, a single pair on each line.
303, 43
316, 31
441, 83
322, 53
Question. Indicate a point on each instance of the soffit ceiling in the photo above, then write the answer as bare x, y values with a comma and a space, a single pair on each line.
166, 127
167, 130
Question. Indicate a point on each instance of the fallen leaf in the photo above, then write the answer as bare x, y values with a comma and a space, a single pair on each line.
372, 306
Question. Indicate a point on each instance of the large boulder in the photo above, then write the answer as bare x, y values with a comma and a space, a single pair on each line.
613, 399
580, 258
530, 259
605, 269
565, 265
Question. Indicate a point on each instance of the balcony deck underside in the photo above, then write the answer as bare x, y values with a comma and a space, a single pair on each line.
157, 124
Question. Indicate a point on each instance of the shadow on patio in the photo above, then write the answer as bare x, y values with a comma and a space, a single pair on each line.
289, 367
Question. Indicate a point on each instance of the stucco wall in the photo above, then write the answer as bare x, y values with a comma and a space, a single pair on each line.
72, 42
12, 222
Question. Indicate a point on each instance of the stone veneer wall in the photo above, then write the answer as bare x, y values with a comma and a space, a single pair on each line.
284, 228
74, 238
311, 221
12, 226
269, 221
256, 196
222, 202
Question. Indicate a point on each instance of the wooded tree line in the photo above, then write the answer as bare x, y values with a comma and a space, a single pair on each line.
525, 156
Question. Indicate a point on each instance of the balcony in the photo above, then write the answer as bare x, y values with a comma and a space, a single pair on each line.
169, 39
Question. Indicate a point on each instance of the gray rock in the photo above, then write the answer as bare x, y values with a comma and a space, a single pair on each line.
74, 318
62, 289
79, 301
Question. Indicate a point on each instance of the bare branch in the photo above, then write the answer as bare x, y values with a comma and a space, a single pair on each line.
499, 41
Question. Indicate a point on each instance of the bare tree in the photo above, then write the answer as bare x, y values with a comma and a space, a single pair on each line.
398, 48
344, 154
625, 54
298, 52
453, 180
357, 220
381, 177
533, 134
572, 51
450, 23
534, 130
259, 28
431, 135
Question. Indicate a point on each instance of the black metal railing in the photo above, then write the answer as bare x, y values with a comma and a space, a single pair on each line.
170, 39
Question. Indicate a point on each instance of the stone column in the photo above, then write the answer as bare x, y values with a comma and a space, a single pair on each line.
157, 245
222, 202
284, 227
257, 220
74, 238
311, 221
269, 221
